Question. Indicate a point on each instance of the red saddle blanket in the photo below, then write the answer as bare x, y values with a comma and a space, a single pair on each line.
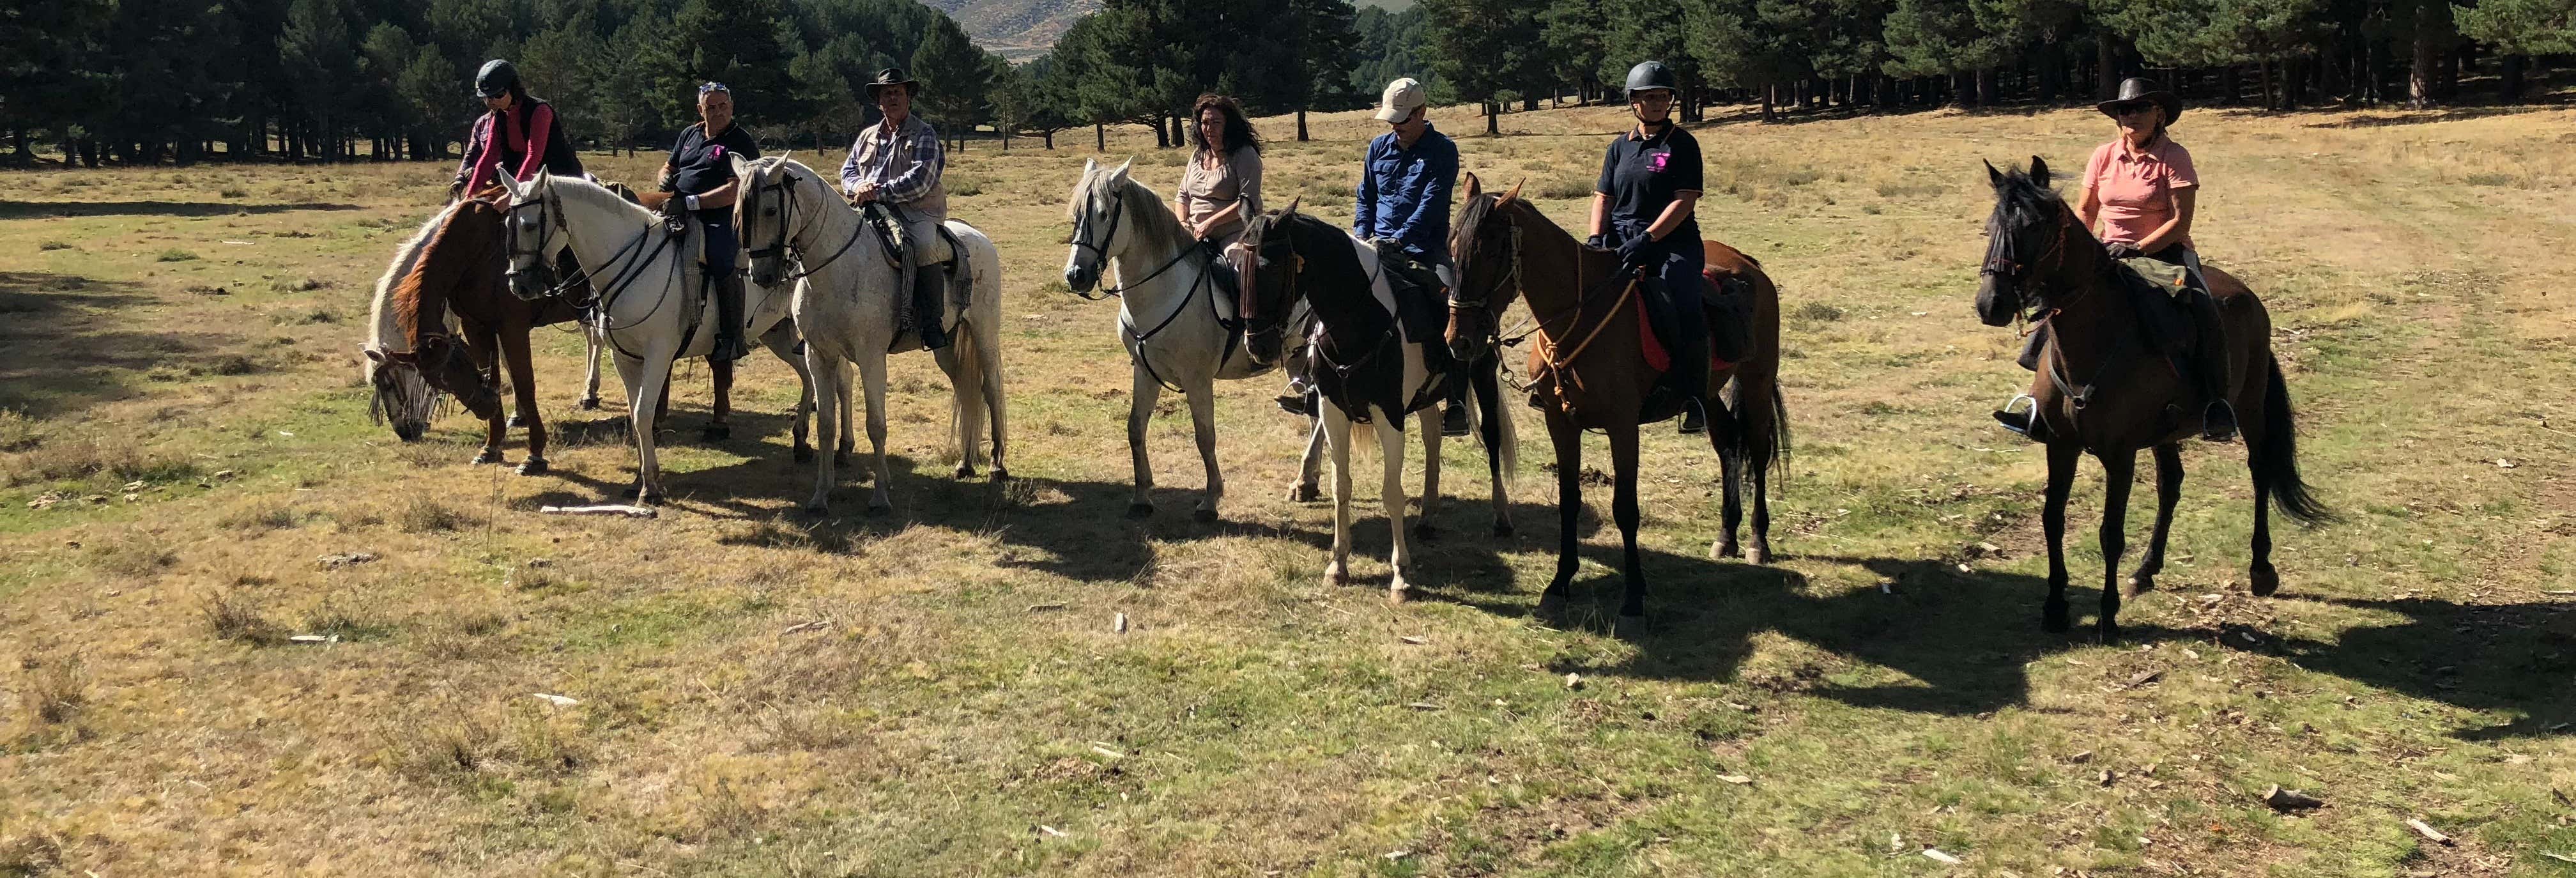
1659, 357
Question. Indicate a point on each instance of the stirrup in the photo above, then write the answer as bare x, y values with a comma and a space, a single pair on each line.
2212, 432
2029, 415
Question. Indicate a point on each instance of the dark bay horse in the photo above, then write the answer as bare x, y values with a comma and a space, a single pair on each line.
2104, 390
460, 267
1591, 370
1366, 369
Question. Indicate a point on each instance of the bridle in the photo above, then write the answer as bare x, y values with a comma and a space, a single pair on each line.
1100, 251
550, 219
1504, 287
785, 186
2029, 305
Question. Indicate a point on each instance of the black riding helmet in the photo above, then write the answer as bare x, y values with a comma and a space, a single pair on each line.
497, 78
1652, 75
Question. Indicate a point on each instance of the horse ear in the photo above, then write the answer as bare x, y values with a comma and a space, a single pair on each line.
2039, 171
1474, 188
1515, 194
741, 169
1120, 175
1994, 176
375, 355
1291, 209
1088, 167
511, 185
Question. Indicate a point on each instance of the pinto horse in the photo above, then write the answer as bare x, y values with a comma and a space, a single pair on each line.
1367, 372
1591, 353
2042, 263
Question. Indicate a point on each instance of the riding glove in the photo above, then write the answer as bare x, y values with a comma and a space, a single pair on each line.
2122, 250
1597, 242
1632, 252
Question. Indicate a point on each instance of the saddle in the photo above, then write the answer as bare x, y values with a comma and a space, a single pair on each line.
2161, 294
942, 253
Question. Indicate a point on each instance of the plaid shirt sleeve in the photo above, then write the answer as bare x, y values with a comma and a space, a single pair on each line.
921, 150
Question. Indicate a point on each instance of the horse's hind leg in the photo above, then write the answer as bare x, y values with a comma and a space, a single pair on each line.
720, 427
2062, 458
523, 381
2168, 492
1623, 507
988, 354
1429, 421
2118, 469
1568, 442
1730, 467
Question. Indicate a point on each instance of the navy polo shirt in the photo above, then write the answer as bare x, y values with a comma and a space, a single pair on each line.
700, 164
1642, 175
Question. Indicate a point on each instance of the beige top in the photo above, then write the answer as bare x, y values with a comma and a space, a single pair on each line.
1205, 191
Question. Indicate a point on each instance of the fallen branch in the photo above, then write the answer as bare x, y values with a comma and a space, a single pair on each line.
613, 509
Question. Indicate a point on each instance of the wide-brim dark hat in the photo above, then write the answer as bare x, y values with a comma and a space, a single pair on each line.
2135, 91
890, 77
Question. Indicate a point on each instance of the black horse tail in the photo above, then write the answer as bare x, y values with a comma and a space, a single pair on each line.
2276, 464
1774, 455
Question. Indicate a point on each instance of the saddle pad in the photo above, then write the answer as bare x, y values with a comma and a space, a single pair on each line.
2165, 276
1659, 357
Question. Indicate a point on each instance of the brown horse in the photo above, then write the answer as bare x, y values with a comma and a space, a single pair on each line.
460, 267
1589, 370
2104, 390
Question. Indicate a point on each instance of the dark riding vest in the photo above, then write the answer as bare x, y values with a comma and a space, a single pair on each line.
560, 157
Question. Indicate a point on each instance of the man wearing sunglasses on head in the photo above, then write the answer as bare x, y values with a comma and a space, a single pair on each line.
700, 176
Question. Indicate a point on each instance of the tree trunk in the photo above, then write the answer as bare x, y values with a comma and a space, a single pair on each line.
2508, 79
1985, 86
1049, 134
2420, 73
2106, 64
1529, 103
1162, 136
1301, 124
1493, 118
1099, 137
1769, 92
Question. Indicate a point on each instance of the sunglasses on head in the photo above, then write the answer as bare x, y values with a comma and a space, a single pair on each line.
708, 87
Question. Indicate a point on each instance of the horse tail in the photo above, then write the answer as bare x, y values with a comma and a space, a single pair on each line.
2276, 464
1511, 449
1778, 459
966, 393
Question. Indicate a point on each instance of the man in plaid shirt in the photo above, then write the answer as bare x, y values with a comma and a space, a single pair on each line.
896, 163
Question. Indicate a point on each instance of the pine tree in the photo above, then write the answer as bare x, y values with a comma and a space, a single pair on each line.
1483, 49
2520, 29
953, 76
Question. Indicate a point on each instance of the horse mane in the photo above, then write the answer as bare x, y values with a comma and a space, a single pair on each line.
577, 189
388, 336
466, 242
1144, 211
1471, 216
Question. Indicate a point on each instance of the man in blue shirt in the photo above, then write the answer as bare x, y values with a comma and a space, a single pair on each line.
1403, 207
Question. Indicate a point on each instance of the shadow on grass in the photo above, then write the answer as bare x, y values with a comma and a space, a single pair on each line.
62, 349
2515, 657
10, 210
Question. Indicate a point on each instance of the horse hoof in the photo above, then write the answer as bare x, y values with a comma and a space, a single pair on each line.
1759, 556
1425, 532
2052, 618
1551, 605
818, 510
590, 403
1000, 474
1398, 593
2141, 583
2108, 632
1204, 516
965, 472
2265, 581
534, 466
1337, 576
715, 433
1724, 549
487, 456
1502, 529
804, 454
518, 422
654, 499
1303, 493
841, 457
1628, 627
1140, 510
880, 510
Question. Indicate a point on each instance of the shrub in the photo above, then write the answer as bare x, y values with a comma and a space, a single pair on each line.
175, 254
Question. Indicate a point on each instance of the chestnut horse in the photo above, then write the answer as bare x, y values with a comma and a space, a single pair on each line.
2127, 398
1590, 369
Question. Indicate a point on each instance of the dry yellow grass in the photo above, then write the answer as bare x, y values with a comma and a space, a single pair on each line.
966, 708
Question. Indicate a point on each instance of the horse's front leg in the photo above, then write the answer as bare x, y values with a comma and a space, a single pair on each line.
2062, 458
1494, 427
1428, 421
1390, 444
720, 427
483, 346
591, 342
643, 378
1337, 434
1568, 441
1310, 464
523, 382
827, 385
2118, 468
1140, 417
872, 377
1623, 508
781, 340
2168, 492
1202, 396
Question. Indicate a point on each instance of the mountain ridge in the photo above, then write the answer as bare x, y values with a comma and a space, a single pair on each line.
1023, 29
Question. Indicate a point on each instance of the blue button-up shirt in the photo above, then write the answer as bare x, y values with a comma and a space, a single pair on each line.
1404, 193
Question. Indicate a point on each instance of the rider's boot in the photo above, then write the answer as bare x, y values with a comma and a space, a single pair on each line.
2209, 361
1453, 418
729, 319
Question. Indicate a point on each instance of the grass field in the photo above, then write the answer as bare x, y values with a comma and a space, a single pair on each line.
185, 436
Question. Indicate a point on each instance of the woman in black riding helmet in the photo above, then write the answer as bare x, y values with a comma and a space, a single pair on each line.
1643, 205
519, 136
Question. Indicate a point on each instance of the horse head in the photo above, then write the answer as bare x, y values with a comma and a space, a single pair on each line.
2026, 240
1098, 209
533, 230
1269, 273
767, 213
1485, 245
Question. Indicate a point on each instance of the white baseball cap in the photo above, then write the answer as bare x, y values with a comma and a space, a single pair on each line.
1403, 96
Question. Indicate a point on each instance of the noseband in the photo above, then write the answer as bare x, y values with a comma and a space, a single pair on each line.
1100, 251
2000, 263
1484, 302
780, 246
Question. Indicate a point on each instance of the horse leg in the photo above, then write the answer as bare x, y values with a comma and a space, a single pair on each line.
720, 427
1202, 397
1568, 440
1309, 465
1495, 429
988, 357
1390, 443
827, 386
2118, 470
662, 398
653, 372
591, 338
1730, 469
2062, 458
1140, 415
2168, 491
1428, 420
1759, 424
781, 340
2255, 428
1337, 433
1623, 507
523, 381
484, 346
956, 362
872, 378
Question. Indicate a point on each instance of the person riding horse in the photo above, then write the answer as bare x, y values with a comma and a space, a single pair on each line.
518, 136
1222, 186
700, 175
1403, 209
1643, 205
897, 164
2141, 189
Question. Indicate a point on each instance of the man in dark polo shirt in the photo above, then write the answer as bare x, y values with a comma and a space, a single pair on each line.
1643, 205
700, 173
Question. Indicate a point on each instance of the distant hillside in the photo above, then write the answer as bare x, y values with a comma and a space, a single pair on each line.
1024, 29
1017, 29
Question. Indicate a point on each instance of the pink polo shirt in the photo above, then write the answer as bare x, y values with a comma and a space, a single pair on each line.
2134, 187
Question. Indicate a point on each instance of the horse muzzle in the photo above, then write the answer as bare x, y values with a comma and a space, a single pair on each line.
767, 271
1997, 303
410, 431
1081, 278
527, 286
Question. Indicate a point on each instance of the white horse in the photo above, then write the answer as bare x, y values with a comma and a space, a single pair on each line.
845, 306
1171, 317
647, 281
